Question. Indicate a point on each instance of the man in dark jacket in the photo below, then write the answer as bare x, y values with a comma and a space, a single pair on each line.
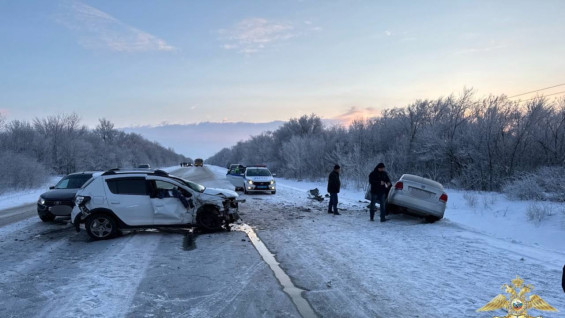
563, 279
380, 182
333, 189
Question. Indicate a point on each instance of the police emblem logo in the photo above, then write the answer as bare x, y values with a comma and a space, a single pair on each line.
518, 305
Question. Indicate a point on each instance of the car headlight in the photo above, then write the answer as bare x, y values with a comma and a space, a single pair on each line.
41, 201
272, 181
250, 181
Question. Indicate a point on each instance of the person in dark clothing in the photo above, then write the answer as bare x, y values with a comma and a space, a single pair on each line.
333, 189
380, 183
563, 279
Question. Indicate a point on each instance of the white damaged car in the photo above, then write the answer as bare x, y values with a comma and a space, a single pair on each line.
121, 199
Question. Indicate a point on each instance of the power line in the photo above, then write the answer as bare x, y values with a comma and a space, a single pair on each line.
537, 90
562, 92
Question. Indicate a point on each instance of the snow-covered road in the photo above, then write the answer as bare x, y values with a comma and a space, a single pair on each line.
348, 266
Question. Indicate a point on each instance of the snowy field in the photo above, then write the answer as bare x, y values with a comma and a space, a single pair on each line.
346, 265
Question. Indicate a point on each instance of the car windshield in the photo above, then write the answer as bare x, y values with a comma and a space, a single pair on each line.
258, 172
73, 181
194, 186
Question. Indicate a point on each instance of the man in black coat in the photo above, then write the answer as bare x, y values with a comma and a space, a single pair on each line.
380, 182
333, 189
563, 279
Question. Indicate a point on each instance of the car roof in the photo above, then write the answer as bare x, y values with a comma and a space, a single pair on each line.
86, 172
156, 172
426, 181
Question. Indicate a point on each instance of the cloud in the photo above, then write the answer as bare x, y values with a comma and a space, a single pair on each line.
252, 35
356, 113
99, 30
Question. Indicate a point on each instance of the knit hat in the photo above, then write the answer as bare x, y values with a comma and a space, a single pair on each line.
380, 165
336, 167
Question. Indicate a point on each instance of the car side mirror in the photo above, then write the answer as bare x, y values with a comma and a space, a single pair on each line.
51, 187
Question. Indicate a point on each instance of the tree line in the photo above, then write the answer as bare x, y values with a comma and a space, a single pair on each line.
31, 151
461, 140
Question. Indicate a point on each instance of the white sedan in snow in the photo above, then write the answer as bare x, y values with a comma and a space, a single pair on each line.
418, 196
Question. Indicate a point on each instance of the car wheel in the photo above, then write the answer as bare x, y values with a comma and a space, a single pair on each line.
392, 209
209, 218
273, 192
101, 227
432, 219
47, 217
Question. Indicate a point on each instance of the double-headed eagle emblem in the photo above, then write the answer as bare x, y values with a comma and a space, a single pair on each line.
517, 305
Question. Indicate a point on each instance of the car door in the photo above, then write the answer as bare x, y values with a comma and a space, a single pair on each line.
235, 177
128, 198
172, 204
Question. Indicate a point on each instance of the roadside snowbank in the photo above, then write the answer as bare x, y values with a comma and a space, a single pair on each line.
23, 197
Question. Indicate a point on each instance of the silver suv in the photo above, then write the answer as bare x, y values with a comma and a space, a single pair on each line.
121, 199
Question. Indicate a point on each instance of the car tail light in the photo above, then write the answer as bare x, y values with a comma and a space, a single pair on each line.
443, 198
399, 185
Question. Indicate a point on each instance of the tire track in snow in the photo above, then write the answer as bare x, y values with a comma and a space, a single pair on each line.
107, 284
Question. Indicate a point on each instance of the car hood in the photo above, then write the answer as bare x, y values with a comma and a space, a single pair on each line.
60, 194
218, 192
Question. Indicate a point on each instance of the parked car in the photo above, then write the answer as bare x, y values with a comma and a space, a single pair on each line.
60, 199
121, 199
144, 166
198, 162
252, 179
417, 196
185, 164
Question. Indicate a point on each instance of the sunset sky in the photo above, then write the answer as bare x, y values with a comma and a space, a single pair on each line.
153, 62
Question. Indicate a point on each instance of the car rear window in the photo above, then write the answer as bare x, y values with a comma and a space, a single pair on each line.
130, 186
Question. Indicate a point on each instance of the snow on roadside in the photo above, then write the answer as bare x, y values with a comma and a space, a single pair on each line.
486, 213
22, 197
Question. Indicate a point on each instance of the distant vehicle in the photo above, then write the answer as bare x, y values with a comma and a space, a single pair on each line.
60, 199
252, 179
417, 196
198, 162
144, 166
121, 199
186, 164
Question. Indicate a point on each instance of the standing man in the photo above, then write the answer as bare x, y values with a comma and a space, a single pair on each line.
333, 189
380, 182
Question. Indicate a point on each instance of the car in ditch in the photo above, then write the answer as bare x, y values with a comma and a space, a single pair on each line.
125, 199
252, 179
60, 199
417, 196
